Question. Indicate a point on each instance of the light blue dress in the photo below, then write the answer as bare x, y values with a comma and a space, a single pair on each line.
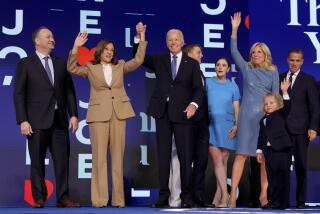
256, 83
221, 96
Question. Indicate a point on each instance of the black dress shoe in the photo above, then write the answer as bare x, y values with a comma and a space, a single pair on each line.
267, 206
186, 204
67, 203
274, 206
210, 205
301, 206
199, 202
280, 207
38, 204
255, 204
160, 204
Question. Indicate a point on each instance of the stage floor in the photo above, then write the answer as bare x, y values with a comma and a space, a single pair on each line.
145, 210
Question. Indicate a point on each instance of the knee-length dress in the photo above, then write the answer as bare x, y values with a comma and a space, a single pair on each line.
257, 82
221, 96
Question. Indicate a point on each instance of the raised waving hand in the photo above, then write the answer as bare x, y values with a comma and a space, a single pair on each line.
235, 23
80, 40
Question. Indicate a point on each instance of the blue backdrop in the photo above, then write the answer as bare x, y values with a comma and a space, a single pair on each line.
204, 22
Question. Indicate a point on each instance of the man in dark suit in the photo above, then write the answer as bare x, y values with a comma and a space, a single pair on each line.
177, 95
303, 118
44, 95
201, 138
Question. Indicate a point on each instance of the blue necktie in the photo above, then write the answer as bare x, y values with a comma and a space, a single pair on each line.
174, 66
47, 68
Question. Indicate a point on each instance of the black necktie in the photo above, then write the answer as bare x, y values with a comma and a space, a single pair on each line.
290, 79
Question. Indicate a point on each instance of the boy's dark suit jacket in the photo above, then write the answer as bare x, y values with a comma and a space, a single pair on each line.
275, 130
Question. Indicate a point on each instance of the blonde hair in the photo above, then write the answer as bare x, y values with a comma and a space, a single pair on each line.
276, 96
267, 63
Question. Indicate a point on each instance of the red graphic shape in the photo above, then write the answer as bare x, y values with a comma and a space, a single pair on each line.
246, 21
85, 55
28, 193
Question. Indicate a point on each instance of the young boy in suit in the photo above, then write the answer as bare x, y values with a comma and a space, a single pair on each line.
275, 146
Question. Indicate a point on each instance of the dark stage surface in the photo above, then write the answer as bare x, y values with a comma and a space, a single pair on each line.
145, 210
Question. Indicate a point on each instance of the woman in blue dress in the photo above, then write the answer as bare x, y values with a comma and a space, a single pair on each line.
260, 77
223, 106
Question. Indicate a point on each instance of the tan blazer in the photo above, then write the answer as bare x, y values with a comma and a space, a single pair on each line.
104, 98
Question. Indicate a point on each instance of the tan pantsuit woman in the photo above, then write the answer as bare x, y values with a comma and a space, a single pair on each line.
109, 107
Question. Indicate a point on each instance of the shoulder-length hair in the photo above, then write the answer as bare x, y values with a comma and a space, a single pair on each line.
267, 63
99, 50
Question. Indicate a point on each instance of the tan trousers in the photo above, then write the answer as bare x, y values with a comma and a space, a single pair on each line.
102, 134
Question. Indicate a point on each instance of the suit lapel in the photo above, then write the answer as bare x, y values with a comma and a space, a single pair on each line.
55, 70
297, 83
100, 75
269, 118
40, 69
168, 64
183, 62
115, 74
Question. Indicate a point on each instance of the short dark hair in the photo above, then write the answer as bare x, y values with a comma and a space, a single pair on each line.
295, 50
224, 58
36, 32
190, 47
99, 49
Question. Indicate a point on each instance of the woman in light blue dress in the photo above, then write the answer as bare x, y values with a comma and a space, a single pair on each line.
260, 77
223, 106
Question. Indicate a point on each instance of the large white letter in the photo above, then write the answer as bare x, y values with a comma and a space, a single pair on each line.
12, 49
127, 37
84, 21
294, 13
208, 35
316, 44
145, 125
83, 104
83, 165
79, 133
313, 13
18, 25
144, 155
208, 66
217, 11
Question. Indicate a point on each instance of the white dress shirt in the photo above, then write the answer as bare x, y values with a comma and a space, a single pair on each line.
41, 57
294, 77
107, 72
179, 57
